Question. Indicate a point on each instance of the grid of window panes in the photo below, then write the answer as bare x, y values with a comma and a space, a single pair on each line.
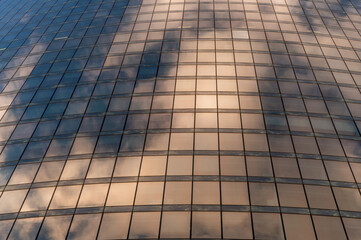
232, 119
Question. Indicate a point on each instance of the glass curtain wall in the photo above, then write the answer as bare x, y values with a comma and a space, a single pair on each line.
147, 119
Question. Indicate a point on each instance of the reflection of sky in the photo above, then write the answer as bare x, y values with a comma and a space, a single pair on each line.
180, 93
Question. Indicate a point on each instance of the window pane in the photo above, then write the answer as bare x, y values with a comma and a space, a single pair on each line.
23, 131
329, 228
352, 226
237, 225
68, 126
348, 199
101, 168
5, 227
121, 194
179, 165
153, 165
183, 120
231, 141
114, 123
178, 193
233, 166
108, 144
298, 226
12, 152
252, 121
75, 169
127, 166
206, 225
206, 141
175, 225
285, 167
259, 166
144, 225
149, 193
157, 121
157, 142
91, 124
84, 226
35, 149
49, 171
11, 201
255, 142
291, 195
267, 226
93, 195
234, 193
206, 193
312, 169
83, 145
320, 197
26, 228
132, 142
338, 171
38, 199
137, 121
114, 226
263, 194
54, 228
206, 120
65, 197
206, 165
5, 173
181, 141
59, 147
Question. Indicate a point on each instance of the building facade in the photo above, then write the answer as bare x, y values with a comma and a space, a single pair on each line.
147, 119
